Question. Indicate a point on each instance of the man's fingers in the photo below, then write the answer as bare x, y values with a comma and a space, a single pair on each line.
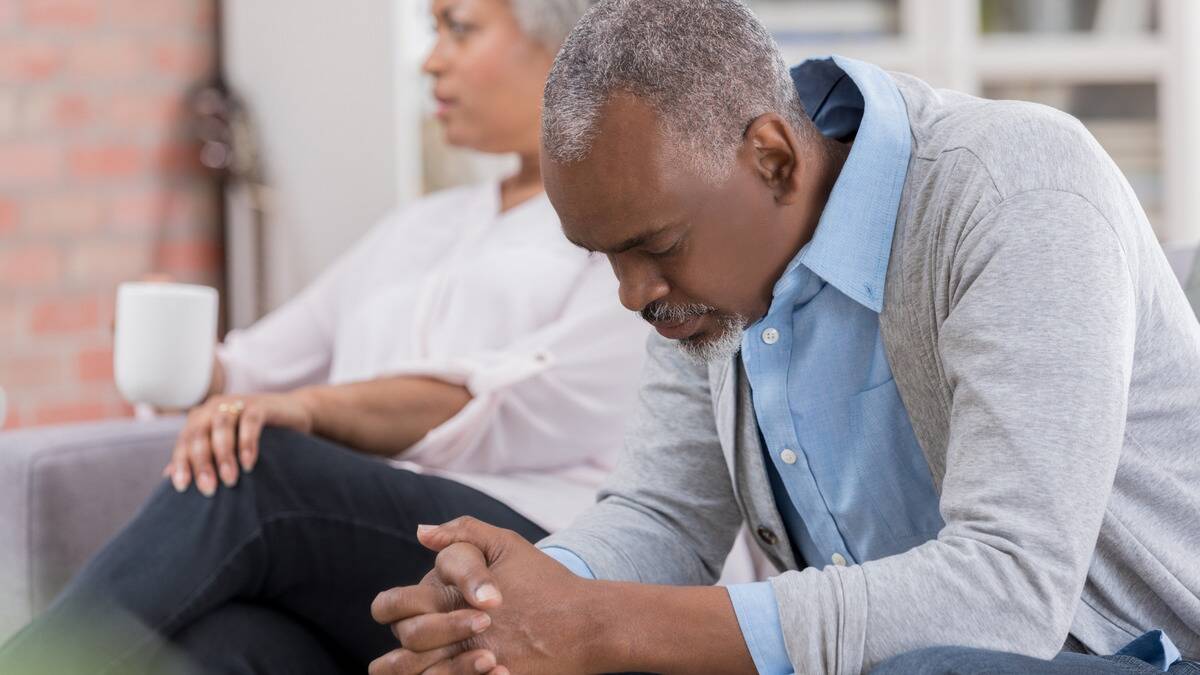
223, 432
425, 632
474, 662
463, 566
488, 538
403, 602
407, 662
249, 431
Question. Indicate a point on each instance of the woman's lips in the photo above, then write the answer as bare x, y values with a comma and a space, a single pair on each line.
679, 330
444, 105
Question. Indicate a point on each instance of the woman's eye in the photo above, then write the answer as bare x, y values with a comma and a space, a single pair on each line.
459, 28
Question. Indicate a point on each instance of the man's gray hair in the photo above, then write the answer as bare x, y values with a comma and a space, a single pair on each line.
707, 68
549, 21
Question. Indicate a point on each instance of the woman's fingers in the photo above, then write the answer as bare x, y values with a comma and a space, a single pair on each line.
199, 452
181, 474
223, 434
250, 428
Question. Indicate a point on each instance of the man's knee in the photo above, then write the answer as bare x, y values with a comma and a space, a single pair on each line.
946, 661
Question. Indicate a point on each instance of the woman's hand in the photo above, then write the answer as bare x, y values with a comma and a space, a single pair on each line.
223, 432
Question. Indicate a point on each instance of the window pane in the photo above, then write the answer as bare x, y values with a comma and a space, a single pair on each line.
1061, 16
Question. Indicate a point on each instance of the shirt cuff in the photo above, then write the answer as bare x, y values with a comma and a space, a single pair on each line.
570, 561
758, 616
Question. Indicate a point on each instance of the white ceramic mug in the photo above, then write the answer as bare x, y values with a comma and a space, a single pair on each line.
164, 342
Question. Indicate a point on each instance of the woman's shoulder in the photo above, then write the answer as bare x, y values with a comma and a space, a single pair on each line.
468, 199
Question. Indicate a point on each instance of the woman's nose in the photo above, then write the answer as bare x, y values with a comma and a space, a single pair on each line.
435, 60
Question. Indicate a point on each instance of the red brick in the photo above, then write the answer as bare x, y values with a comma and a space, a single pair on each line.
51, 111
115, 160
73, 315
65, 413
28, 60
8, 113
178, 213
8, 14
107, 59
205, 17
148, 13
93, 262
75, 14
140, 213
30, 265
27, 371
176, 158
146, 112
185, 59
95, 365
13, 420
13, 322
71, 212
8, 216
188, 256
27, 163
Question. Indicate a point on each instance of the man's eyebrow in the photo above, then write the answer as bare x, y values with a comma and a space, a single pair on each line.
632, 242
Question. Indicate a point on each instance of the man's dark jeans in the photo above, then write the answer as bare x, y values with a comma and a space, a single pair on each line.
275, 575
966, 661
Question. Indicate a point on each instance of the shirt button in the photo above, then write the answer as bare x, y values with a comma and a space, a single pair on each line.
788, 456
839, 560
770, 336
767, 536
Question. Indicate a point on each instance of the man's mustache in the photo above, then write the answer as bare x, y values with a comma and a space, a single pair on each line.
662, 312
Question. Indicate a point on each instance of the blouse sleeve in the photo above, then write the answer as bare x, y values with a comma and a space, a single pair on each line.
293, 346
557, 397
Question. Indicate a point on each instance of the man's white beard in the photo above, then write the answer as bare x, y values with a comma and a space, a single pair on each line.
718, 348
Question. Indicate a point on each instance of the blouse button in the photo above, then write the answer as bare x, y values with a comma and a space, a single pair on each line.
770, 336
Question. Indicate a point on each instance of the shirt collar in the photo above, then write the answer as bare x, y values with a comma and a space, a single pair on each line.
853, 240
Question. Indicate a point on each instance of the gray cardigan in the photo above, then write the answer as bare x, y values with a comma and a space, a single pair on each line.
1050, 365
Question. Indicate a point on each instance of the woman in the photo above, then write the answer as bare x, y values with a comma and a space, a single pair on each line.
464, 337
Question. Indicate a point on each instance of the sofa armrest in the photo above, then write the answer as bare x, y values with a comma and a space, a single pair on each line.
66, 491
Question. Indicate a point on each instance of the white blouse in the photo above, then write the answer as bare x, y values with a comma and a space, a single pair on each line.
501, 303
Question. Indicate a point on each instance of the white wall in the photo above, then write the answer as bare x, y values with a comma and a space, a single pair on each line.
321, 81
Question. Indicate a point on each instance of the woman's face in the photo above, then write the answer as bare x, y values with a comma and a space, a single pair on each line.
488, 76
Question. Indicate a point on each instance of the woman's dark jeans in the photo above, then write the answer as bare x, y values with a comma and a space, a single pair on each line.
275, 575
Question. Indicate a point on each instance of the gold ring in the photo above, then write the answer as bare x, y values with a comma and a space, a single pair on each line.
235, 408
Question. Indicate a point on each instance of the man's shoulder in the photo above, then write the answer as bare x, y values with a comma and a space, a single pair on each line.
1011, 147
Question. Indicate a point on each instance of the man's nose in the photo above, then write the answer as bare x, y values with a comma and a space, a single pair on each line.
639, 284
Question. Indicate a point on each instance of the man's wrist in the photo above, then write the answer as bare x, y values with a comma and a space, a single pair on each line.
663, 629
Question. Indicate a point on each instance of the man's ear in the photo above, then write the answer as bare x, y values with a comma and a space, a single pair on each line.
774, 153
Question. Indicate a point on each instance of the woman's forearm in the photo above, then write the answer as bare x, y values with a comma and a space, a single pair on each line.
384, 416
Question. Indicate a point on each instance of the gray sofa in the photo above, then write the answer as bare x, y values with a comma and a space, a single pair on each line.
65, 490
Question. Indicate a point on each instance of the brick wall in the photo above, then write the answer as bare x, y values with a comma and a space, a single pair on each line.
98, 184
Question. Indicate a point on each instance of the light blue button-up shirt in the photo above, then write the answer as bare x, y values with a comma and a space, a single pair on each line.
850, 480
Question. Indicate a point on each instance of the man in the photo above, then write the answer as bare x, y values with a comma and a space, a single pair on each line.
926, 345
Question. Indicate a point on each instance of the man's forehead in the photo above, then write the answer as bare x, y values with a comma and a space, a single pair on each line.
626, 184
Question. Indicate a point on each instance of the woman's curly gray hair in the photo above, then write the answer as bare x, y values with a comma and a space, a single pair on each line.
549, 21
707, 67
